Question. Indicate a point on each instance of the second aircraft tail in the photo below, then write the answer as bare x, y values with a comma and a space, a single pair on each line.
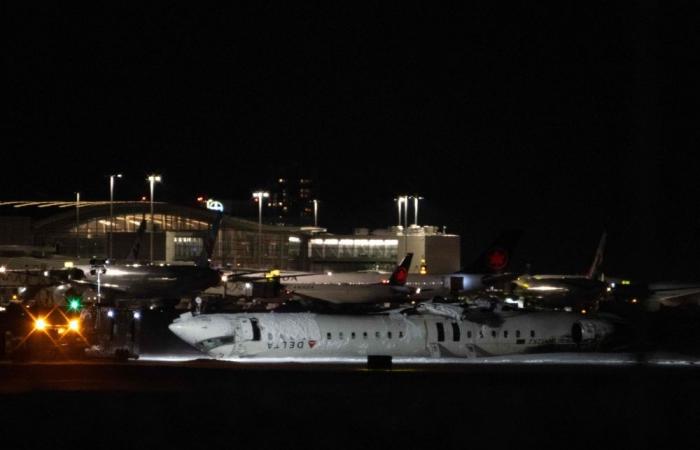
398, 277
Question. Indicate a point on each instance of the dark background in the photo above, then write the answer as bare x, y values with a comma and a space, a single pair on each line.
559, 119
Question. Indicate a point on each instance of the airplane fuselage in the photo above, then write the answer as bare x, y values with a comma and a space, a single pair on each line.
350, 288
400, 335
151, 281
560, 291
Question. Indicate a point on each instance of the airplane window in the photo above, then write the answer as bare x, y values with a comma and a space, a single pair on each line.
364, 335
400, 334
328, 335
493, 333
440, 332
269, 336
469, 334
340, 335
517, 333
481, 334
505, 334
388, 334
377, 335
532, 333
256, 329
352, 335
455, 332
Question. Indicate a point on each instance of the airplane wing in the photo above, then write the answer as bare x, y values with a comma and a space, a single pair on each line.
673, 294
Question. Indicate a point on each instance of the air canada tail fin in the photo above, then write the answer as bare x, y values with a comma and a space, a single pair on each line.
594, 272
134, 252
398, 277
209, 241
497, 256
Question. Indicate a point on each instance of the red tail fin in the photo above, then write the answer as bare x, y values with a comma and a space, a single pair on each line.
398, 278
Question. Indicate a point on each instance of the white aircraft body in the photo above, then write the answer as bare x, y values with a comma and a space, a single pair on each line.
437, 330
353, 288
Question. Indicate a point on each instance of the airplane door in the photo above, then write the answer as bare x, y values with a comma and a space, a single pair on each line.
243, 331
436, 336
456, 284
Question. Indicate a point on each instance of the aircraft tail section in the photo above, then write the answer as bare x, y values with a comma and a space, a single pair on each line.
134, 252
497, 257
398, 277
594, 272
209, 242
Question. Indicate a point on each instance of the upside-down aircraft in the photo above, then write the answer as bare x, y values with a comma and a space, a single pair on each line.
436, 331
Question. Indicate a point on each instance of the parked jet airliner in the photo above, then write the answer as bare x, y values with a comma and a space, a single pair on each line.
313, 288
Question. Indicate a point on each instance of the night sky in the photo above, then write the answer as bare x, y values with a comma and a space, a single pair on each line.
561, 120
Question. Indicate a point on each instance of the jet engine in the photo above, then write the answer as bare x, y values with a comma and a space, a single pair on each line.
590, 332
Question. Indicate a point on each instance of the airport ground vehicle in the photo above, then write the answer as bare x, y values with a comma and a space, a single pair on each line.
46, 333
41, 332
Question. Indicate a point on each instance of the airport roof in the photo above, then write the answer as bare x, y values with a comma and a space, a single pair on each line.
59, 214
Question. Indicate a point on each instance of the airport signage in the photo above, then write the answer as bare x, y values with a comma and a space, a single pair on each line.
215, 205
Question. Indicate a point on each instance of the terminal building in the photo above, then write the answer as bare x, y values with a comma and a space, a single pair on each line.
76, 230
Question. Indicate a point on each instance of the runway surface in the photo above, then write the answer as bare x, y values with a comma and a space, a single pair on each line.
295, 404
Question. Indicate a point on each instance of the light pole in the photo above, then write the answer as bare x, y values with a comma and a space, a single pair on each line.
402, 200
259, 196
152, 179
315, 213
415, 208
111, 210
405, 213
77, 225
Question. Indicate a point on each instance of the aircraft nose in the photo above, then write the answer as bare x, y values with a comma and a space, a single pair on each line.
186, 330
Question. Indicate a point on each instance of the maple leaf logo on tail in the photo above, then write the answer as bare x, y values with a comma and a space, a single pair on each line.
398, 277
497, 259
401, 275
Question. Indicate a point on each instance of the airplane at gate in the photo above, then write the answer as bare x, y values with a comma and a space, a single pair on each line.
146, 281
328, 289
577, 292
438, 330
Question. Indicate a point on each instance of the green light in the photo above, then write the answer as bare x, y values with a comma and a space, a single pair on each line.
74, 304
